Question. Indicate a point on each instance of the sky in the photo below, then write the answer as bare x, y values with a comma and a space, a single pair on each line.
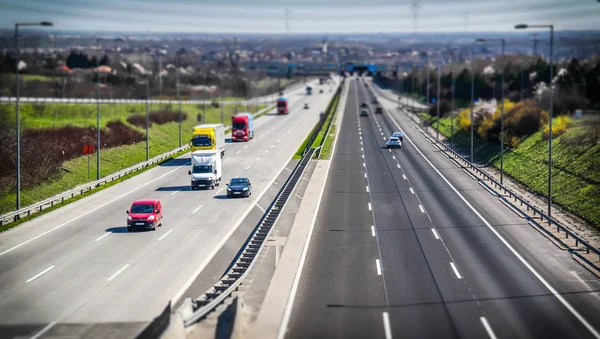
305, 16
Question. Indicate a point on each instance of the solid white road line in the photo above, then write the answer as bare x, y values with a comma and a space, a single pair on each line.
219, 191
118, 272
552, 290
196, 210
455, 270
367, 188
373, 230
386, 326
370, 209
411, 190
260, 208
102, 237
487, 327
92, 210
299, 197
41, 273
422, 209
435, 233
44, 330
378, 264
175, 192
164, 235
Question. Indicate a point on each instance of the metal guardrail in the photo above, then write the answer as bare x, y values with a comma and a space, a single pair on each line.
244, 262
536, 211
61, 197
40, 206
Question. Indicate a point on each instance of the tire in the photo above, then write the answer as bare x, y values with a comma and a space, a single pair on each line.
228, 196
154, 227
212, 187
129, 229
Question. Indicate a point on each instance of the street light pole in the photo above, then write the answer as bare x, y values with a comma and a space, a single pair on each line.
437, 133
179, 97
551, 27
503, 42
97, 111
472, 103
18, 118
147, 114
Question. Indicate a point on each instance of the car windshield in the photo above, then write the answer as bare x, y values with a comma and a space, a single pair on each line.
202, 169
201, 140
142, 208
238, 126
238, 182
393, 139
281, 104
397, 134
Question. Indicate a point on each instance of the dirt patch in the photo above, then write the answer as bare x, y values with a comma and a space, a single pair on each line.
43, 151
158, 117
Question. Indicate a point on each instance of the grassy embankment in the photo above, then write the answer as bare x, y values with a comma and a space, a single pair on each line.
575, 173
163, 138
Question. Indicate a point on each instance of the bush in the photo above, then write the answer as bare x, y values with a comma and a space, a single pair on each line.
163, 117
464, 119
138, 120
525, 118
215, 104
558, 128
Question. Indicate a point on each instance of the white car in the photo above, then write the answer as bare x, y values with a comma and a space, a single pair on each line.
393, 142
306, 106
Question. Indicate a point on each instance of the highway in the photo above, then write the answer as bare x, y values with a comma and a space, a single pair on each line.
78, 264
406, 245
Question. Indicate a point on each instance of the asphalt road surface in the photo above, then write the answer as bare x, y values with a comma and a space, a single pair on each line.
406, 245
78, 264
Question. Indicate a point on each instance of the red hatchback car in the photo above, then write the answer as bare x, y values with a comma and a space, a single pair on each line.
144, 214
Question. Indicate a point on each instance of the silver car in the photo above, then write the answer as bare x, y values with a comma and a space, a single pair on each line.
399, 135
393, 142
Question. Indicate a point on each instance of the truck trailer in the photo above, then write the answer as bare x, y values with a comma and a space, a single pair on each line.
208, 137
242, 127
206, 169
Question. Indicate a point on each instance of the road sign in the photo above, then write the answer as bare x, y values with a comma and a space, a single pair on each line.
433, 100
88, 149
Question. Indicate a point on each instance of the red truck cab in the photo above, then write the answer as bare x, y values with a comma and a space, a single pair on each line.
282, 106
144, 214
242, 127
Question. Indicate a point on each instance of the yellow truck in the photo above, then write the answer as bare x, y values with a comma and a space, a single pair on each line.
208, 137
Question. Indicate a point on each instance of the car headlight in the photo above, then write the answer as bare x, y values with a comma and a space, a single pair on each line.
245, 189
194, 179
228, 189
129, 217
150, 218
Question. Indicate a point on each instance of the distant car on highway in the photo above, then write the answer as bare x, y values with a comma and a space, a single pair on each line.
239, 187
374, 101
364, 104
144, 214
320, 91
393, 142
364, 113
398, 135
306, 106
379, 110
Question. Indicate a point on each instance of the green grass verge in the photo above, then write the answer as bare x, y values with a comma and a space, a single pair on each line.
163, 138
328, 145
87, 193
321, 135
575, 170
